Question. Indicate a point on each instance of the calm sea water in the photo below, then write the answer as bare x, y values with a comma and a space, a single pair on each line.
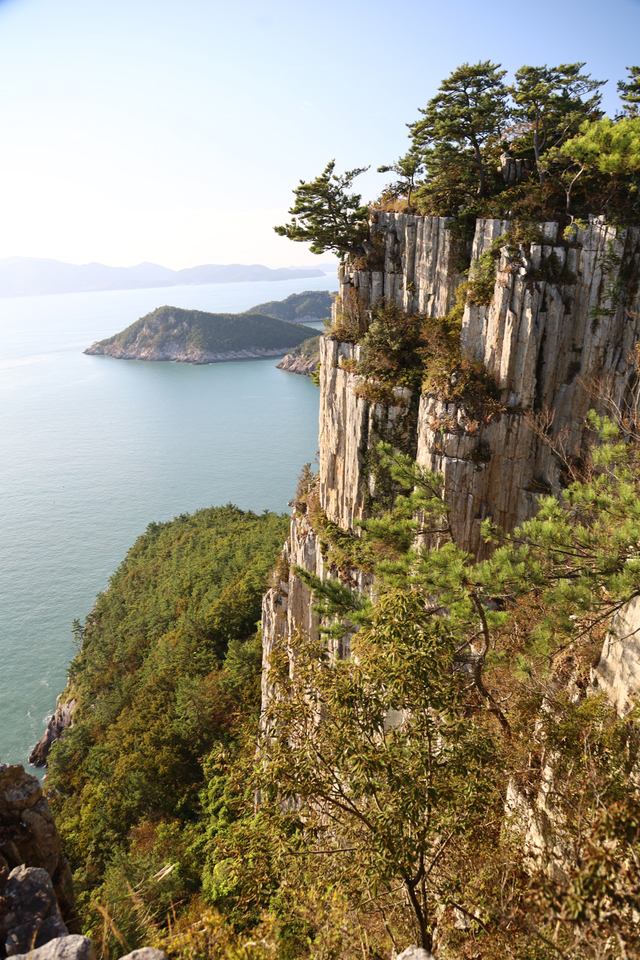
92, 449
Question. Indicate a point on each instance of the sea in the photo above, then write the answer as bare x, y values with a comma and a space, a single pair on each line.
93, 449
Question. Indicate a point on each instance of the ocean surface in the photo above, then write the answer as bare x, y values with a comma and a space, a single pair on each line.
93, 449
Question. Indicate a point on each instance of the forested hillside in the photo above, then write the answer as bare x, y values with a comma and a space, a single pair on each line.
165, 680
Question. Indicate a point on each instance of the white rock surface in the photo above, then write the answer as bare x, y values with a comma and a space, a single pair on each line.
617, 672
74, 947
415, 953
547, 345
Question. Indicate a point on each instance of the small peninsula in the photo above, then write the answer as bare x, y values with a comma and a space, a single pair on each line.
192, 336
303, 359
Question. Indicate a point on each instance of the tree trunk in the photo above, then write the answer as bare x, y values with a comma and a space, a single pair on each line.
536, 150
480, 166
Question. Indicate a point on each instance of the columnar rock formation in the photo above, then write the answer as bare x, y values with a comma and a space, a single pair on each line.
563, 319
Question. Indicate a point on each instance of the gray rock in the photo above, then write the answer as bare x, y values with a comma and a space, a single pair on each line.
18, 791
146, 953
64, 948
29, 895
33, 917
58, 723
415, 953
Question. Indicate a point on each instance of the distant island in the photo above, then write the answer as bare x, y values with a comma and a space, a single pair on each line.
31, 276
192, 336
300, 307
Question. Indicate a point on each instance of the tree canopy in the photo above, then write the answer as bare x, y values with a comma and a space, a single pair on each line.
485, 148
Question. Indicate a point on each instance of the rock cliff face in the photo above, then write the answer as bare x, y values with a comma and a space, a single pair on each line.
563, 318
29, 841
58, 723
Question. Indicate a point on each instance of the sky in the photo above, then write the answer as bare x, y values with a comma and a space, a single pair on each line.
175, 132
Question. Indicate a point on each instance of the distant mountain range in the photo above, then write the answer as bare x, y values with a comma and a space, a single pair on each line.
31, 276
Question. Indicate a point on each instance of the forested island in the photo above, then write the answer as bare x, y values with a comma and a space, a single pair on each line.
193, 336
446, 749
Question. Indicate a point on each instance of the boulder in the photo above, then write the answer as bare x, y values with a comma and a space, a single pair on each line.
146, 953
32, 917
415, 953
29, 837
64, 948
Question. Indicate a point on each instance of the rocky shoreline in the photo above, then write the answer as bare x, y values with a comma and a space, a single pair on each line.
297, 364
58, 722
182, 353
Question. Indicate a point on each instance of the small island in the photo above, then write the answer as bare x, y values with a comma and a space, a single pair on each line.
192, 336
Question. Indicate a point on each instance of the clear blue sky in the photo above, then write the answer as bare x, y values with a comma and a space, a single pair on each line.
174, 130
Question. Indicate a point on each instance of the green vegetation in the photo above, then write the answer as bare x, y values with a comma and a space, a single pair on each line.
326, 215
385, 822
401, 788
407, 748
311, 303
208, 332
167, 675
419, 352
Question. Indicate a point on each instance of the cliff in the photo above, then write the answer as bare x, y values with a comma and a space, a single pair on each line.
561, 320
191, 336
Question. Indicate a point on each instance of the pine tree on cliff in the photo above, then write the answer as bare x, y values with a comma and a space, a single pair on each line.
551, 106
325, 215
469, 110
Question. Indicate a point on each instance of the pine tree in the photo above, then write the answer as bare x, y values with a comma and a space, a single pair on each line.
629, 91
550, 101
467, 112
326, 215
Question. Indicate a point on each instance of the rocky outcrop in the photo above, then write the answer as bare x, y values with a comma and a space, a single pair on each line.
74, 947
31, 913
562, 321
297, 364
38, 917
29, 837
58, 723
